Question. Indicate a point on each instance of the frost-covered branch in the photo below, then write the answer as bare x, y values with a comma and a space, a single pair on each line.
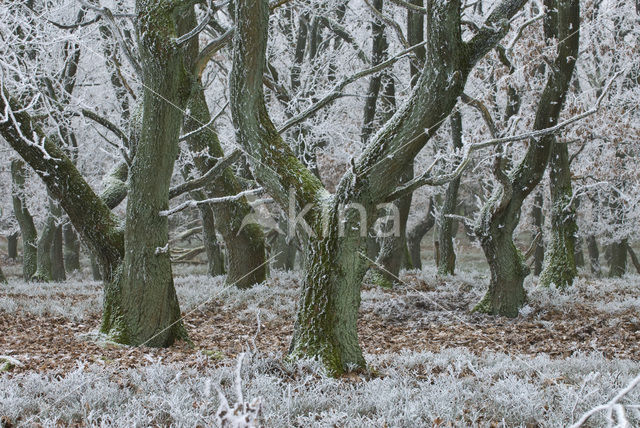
610, 407
108, 16
336, 92
194, 204
427, 179
209, 176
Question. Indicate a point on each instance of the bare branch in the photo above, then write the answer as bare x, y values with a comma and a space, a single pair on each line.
107, 15
336, 92
390, 22
427, 179
210, 50
194, 204
209, 176
198, 28
107, 124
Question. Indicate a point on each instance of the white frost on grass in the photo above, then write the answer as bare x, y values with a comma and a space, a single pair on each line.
414, 389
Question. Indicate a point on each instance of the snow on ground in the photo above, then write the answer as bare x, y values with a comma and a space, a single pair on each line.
431, 361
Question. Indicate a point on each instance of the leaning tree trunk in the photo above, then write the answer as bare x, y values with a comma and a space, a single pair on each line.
71, 248
447, 254
25, 221
500, 216
560, 265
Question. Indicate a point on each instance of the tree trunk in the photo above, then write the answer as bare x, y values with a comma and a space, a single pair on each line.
594, 255
327, 318
506, 295
58, 272
501, 214
45, 243
3, 279
326, 324
538, 221
71, 248
145, 309
618, 259
560, 267
25, 220
215, 256
634, 258
417, 232
393, 248
447, 255
95, 268
578, 255
244, 242
12, 245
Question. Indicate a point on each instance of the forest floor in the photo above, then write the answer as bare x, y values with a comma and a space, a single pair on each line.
51, 330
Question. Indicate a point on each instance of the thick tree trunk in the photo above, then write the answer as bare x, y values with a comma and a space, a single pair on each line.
538, 221
447, 255
417, 232
618, 259
244, 242
12, 245
506, 294
71, 248
594, 255
25, 221
560, 267
326, 323
215, 256
144, 309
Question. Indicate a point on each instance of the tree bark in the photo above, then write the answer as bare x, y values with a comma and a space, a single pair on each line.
634, 258
560, 266
3, 279
501, 214
447, 258
215, 256
58, 272
25, 220
45, 244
